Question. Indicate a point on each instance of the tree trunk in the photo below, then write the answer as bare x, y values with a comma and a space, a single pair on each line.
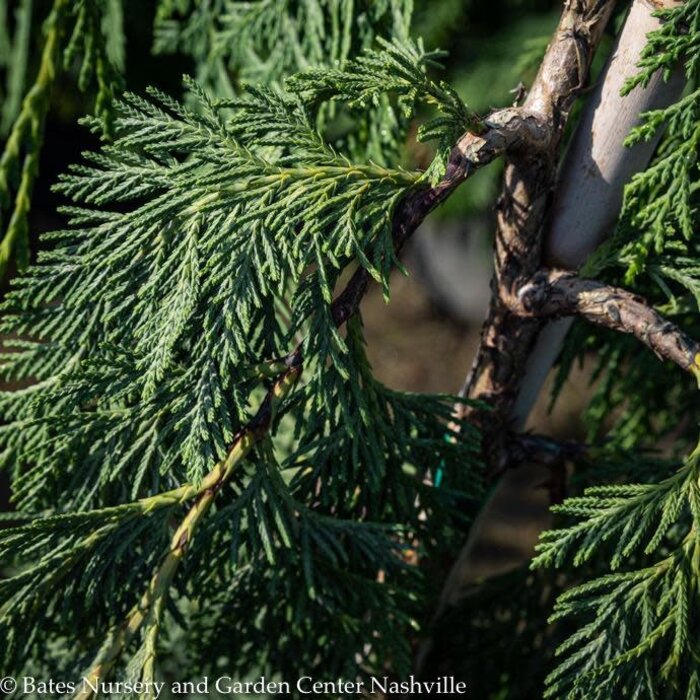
585, 206
594, 173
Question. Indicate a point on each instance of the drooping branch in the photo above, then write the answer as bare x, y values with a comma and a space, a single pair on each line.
159, 584
555, 294
501, 131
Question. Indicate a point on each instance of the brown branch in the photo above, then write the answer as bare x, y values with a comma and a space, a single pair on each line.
507, 338
161, 580
524, 449
529, 448
597, 166
503, 131
554, 294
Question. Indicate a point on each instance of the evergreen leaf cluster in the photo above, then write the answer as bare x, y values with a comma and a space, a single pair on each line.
85, 36
659, 212
204, 243
235, 43
232, 43
264, 42
636, 627
200, 452
399, 67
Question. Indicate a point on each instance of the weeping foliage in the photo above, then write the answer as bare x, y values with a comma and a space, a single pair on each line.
637, 627
234, 43
205, 242
265, 41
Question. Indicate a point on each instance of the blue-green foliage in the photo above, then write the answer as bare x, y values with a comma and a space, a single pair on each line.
637, 627
85, 36
265, 41
204, 244
398, 67
235, 43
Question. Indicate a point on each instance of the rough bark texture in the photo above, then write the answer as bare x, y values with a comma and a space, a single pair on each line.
503, 130
506, 372
507, 338
553, 294
597, 165
593, 174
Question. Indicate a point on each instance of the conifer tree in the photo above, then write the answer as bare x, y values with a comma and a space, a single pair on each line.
207, 475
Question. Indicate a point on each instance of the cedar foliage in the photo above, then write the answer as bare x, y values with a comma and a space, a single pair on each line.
204, 245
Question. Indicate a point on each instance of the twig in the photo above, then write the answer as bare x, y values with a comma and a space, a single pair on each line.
502, 132
554, 294
531, 448
161, 580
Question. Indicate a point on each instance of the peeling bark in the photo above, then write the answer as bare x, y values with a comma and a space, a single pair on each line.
554, 294
594, 172
586, 204
503, 130
507, 339
529, 179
